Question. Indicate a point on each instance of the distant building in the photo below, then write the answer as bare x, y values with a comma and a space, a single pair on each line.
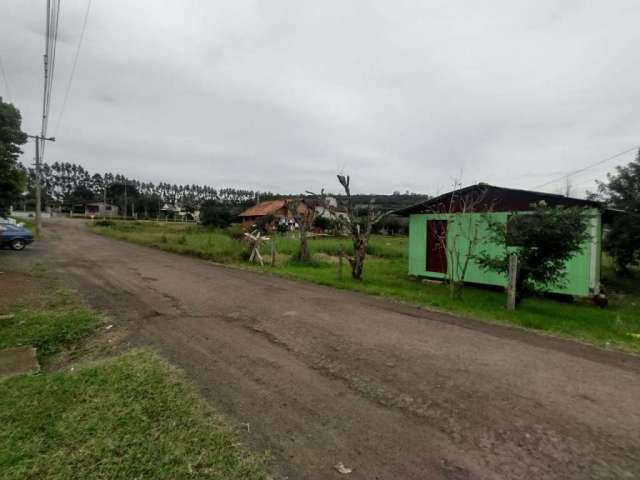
169, 209
331, 210
100, 209
276, 208
180, 213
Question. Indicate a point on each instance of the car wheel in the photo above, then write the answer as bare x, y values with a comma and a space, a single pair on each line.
18, 244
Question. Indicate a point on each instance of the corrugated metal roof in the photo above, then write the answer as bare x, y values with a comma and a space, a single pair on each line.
495, 199
263, 208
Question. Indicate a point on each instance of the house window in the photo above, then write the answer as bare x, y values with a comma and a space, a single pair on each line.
108, 208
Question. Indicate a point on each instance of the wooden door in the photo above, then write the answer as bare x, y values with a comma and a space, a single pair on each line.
436, 246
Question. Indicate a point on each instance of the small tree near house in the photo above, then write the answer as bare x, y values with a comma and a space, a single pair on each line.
304, 211
359, 227
462, 237
543, 239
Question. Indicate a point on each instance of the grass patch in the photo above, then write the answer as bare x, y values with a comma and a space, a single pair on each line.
56, 322
385, 274
131, 417
28, 223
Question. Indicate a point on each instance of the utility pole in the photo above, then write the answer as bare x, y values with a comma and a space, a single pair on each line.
38, 139
46, 98
104, 197
512, 282
125, 198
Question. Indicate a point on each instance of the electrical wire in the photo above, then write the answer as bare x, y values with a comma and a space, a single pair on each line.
73, 68
580, 170
53, 21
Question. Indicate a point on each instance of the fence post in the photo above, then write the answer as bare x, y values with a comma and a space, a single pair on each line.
273, 252
513, 278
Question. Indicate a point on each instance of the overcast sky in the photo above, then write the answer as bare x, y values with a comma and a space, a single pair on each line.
281, 95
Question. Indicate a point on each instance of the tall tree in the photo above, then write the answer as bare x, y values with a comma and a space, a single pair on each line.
622, 191
12, 176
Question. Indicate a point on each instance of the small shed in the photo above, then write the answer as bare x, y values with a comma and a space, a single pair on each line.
437, 222
100, 209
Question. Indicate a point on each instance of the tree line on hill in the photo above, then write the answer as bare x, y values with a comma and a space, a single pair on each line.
66, 186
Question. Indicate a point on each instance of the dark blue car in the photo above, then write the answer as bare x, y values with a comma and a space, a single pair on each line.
14, 236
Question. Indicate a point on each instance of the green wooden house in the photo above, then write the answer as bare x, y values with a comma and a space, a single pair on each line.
456, 224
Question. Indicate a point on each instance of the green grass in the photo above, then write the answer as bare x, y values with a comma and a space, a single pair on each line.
218, 246
57, 321
28, 223
386, 275
131, 417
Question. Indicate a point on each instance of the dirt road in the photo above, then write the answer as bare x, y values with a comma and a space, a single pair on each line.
322, 376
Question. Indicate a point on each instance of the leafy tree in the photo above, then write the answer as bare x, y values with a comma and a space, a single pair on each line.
12, 176
322, 222
116, 193
622, 191
149, 204
212, 214
392, 225
544, 240
80, 196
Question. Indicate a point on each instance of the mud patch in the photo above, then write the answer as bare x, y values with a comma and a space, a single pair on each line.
16, 288
16, 361
103, 343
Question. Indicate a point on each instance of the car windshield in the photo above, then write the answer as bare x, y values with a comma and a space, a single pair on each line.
9, 226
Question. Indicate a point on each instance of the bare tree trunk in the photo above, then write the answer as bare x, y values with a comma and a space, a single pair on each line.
303, 212
359, 234
303, 251
359, 255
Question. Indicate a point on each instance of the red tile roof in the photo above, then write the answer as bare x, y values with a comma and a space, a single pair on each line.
264, 208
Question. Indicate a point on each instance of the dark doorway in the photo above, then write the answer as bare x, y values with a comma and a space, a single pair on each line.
437, 246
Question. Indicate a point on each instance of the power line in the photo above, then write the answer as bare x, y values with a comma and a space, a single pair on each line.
53, 20
73, 68
6, 81
49, 61
600, 162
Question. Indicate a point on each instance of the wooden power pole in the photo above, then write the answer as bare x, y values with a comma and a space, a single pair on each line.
38, 139
513, 281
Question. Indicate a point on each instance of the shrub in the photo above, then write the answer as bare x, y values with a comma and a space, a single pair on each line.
215, 215
391, 225
323, 223
104, 223
235, 231
544, 240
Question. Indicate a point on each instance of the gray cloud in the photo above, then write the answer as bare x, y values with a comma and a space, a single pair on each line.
282, 95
